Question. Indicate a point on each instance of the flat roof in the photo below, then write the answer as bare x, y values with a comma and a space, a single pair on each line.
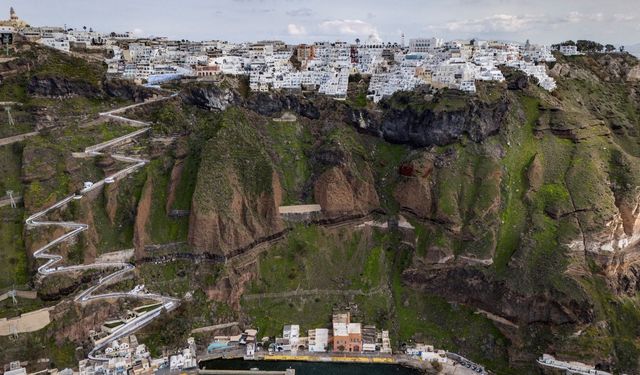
355, 328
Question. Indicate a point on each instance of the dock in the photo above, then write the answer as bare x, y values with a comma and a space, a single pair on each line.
289, 371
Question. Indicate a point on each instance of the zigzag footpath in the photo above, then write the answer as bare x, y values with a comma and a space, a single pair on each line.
50, 268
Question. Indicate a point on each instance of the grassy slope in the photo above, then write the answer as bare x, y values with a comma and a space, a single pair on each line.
291, 142
519, 155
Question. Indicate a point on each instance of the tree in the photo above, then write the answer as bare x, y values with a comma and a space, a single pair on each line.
85, 28
609, 48
621, 49
358, 41
588, 46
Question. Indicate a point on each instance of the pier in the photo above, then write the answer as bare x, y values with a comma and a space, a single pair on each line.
289, 371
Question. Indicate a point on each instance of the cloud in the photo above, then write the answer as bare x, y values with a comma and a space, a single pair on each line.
296, 30
261, 10
350, 27
577, 17
510, 23
495, 23
623, 17
300, 12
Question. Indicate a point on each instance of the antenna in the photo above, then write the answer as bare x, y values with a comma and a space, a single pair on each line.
12, 294
13, 201
8, 110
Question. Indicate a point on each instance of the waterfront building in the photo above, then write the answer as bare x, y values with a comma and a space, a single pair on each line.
318, 339
291, 333
347, 336
355, 337
15, 368
369, 339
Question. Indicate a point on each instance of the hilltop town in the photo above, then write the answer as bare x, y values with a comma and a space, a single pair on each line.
324, 66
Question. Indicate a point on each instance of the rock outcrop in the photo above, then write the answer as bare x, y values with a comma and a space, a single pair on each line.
340, 192
243, 222
217, 98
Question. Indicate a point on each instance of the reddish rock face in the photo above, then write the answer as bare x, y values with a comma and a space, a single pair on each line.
338, 191
245, 222
406, 170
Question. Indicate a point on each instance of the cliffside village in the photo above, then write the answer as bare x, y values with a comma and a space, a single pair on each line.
323, 66
346, 340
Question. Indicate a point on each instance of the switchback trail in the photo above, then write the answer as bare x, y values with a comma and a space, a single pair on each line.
75, 228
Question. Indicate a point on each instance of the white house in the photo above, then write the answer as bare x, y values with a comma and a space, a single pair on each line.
569, 50
318, 339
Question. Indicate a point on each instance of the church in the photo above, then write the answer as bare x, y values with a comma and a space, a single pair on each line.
14, 21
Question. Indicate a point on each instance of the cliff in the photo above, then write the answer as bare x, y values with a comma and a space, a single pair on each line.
520, 204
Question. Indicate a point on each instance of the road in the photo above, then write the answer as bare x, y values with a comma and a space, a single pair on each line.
16, 138
122, 268
315, 292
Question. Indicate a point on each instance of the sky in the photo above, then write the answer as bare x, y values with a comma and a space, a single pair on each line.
298, 21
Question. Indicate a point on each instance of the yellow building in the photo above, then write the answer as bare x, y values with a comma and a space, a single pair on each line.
14, 21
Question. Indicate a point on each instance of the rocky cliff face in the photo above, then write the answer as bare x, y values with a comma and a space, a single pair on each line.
342, 193
217, 98
405, 119
237, 194
524, 204
56, 87
245, 220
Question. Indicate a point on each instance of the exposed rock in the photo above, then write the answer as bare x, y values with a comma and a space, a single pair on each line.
123, 89
413, 192
634, 74
340, 192
473, 287
140, 236
421, 128
216, 98
60, 87
211, 97
244, 221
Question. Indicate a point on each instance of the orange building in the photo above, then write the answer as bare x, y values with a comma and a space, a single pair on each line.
347, 336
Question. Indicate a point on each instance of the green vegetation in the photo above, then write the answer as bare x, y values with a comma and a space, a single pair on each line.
161, 227
387, 158
310, 257
621, 333
10, 169
13, 257
291, 142
187, 184
178, 276
10, 310
170, 331
49, 161
515, 163
428, 318
56, 64
234, 156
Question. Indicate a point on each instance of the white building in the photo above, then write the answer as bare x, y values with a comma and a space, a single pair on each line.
424, 44
569, 50
59, 42
291, 332
318, 340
